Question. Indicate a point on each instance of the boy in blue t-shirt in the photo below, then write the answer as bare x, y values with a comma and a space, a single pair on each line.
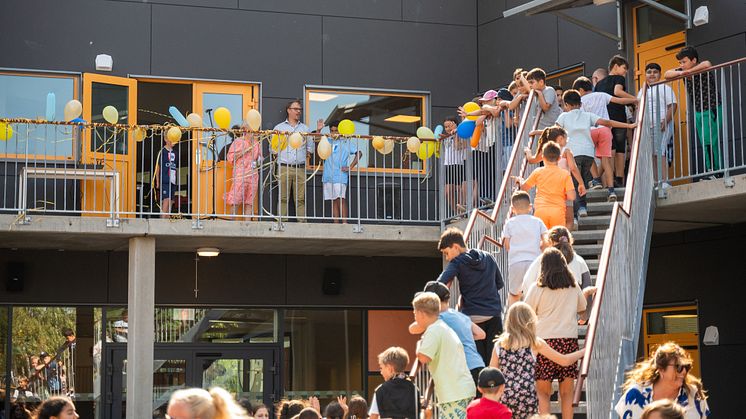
166, 176
336, 169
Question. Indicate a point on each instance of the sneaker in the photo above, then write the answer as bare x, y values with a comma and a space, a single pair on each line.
612, 196
665, 185
582, 212
595, 184
574, 224
618, 182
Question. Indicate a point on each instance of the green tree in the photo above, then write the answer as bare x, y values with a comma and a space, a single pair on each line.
37, 329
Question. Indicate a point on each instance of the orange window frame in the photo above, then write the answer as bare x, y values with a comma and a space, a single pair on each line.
576, 68
76, 95
425, 121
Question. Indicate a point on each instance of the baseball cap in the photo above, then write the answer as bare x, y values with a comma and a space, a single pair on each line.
504, 94
120, 323
42, 354
488, 95
439, 288
490, 378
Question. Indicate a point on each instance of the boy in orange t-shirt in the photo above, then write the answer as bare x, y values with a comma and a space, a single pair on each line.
554, 187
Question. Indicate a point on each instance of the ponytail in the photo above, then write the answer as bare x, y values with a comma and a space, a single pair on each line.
562, 240
225, 406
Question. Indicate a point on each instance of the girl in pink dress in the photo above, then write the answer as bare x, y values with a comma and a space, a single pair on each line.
245, 155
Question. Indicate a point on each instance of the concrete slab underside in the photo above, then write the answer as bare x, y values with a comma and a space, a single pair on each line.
89, 233
703, 204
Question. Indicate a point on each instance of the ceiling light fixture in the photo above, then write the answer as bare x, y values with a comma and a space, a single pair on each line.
403, 118
208, 252
321, 97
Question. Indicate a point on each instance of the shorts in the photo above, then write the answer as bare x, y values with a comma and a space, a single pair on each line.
602, 141
551, 216
516, 272
619, 140
334, 191
455, 174
168, 190
454, 410
547, 370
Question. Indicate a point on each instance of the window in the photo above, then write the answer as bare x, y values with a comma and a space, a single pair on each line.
27, 96
653, 24
373, 113
565, 77
323, 352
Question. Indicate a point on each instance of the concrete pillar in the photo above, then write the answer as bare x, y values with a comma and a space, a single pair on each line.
141, 317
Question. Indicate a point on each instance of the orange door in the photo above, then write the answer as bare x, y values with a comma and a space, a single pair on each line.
108, 149
213, 175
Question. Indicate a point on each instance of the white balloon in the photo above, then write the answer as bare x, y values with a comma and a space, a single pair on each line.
295, 140
413, 144
324, 149
254, 119
195, 121
388, 147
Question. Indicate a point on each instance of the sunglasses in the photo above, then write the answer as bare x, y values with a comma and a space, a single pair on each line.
681, 367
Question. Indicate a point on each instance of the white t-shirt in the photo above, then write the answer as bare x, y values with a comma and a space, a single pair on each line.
595, 102
578, 125
661, 95
578, 267
447, 365
524, 232
452, 154
557, 310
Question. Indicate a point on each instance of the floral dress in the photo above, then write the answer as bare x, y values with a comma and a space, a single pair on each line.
243, 155
519, 368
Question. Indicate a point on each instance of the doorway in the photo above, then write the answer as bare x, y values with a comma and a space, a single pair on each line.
675, 323
246, 372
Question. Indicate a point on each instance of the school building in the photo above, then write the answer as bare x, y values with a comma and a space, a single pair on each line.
275, 299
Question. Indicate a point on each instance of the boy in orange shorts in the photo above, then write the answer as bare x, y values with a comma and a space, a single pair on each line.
554, 187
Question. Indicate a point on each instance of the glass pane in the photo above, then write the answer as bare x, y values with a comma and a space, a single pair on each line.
3, 341
323, 352
653, 23
216, 325
26, 97
212, 146
116, 325
673, 321
225, 373
378, 114
107, 140
565, 80
169, 375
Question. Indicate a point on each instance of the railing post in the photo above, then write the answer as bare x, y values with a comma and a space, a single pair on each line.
440, 192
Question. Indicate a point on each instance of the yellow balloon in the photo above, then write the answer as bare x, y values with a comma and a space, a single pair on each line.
278, 142
388, 147
296, 140
173, 134
324, 149
427, 148
425, 133
346, 127
254, 119
223, 117
6, 131
110, 114
73, 109
471, 107
413, 144
377, 142
139, 134
195, 121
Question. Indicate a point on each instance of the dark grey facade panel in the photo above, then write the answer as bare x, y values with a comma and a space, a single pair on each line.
576, 44
369, 9
401, 55
224, 4
489, 10
67, 35
725, 21
723, 49
455, 12
283, 51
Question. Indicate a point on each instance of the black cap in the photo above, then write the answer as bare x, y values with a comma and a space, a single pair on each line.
42, 354
439, 288
490, 378
504, 94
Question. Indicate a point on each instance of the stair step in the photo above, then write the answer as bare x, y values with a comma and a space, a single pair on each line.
600, 207
592, 264
555, 386
594, 222
556, 409
588, 236
588, 249
603, 195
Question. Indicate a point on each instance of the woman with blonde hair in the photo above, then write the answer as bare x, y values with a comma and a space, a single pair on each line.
197, 403
515, 355
665, 375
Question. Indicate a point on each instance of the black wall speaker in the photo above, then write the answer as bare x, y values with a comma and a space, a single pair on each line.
14, 277
332, 281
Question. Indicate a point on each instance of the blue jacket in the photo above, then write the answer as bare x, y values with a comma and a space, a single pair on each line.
479, 280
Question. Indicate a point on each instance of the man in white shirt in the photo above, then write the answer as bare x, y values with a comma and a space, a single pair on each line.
291, 162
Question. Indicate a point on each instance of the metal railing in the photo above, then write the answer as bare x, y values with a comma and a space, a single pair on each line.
120, 171
614, 323
699, 132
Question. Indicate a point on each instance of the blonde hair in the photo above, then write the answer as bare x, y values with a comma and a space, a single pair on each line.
427, 302
520, 328
666, 408
396, 357
214, 404
646, 372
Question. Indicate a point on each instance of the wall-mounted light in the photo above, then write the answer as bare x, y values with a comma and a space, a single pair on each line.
208, 252
104, 62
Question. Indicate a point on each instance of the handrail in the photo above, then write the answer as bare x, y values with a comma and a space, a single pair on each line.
702, 71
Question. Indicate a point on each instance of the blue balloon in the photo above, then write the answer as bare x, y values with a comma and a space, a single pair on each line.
51, 104
466, 128
78, 119
178, 116
438, 131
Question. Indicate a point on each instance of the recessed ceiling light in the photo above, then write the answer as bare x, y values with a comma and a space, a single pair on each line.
208, 252
320, 97
403, 118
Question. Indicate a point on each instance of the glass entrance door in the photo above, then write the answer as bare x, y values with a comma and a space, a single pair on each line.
245, 373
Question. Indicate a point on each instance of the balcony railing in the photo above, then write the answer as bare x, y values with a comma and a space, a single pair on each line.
699, 129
